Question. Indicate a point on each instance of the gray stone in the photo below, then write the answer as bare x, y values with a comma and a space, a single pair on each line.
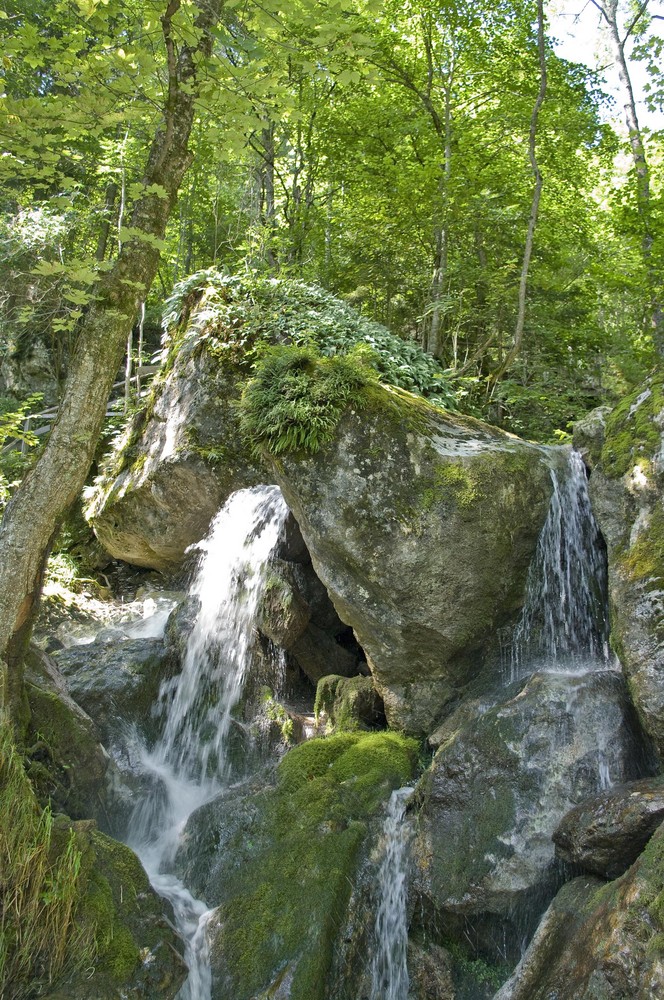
499, 785
178, 462
606, 833
421, 524
117, 683
627, 494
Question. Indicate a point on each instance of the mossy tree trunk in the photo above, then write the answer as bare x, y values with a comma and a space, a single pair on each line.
35, 513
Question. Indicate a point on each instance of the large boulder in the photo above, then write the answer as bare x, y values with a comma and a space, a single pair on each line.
421, 524
606, 833
600, 941
627, 493
184, 453
502, 780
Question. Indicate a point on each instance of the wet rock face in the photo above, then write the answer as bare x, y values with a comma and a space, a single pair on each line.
116, 682
421, 525
65, 760
599, 941
627, 493
502, 780
606, 833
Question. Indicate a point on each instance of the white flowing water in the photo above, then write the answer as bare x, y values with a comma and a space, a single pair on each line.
189, 764
564, 624
389, 972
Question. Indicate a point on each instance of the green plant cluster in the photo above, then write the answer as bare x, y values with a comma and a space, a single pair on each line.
290, 880
39, 888
296, 397
247, 311
14, 461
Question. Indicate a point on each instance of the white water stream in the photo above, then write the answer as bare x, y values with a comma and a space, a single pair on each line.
564, 624
189, 764
389, 972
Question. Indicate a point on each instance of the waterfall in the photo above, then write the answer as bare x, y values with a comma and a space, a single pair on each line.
189, 764
564, 620
389, 968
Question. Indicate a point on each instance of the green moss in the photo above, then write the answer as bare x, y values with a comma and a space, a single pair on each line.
287, 900
633, 434
296, 397
645, 559
452, 481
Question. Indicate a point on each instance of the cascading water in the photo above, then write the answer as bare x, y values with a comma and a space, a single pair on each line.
189, 764
389, 970
564, 621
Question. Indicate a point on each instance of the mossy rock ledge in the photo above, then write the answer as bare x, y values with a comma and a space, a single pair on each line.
421, 524
627, 494
283, 863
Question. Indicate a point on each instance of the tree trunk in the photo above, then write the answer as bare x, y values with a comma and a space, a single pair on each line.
517, 339
36, 511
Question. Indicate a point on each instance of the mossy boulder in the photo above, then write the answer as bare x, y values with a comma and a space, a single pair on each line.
287, 857
184, 454
347, 703
137, 956
627, 493
600, 941
421, 524
503, 778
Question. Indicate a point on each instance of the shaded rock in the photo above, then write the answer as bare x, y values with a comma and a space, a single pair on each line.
599, 941
284, 613
65, 760
317, 653
430, 972
421, 525
605, 834
627, 493
285, 861
116, 683
349, 703
498, 787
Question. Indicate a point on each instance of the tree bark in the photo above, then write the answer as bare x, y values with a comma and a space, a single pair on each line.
36, 511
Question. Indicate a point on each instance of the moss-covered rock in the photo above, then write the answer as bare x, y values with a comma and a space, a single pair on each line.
187, 443
600, 942
502, 780
286, 861
137, 955
421, 524
627, 493
345, 703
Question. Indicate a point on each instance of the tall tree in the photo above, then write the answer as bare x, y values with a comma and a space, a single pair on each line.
619, 34
34, 514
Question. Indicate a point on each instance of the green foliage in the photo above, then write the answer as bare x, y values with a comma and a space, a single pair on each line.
14, 462
296, 397
39, 888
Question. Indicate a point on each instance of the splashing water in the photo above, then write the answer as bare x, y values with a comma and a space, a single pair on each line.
389, 968
564, 621
189, 765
